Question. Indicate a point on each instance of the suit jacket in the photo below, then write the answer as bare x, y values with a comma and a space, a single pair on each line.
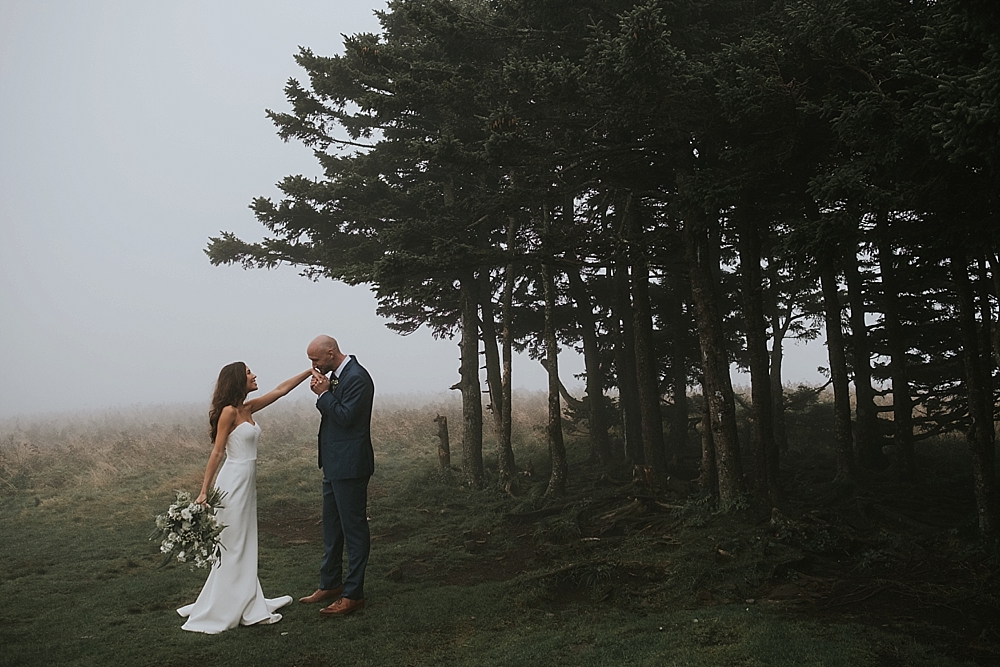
345, 433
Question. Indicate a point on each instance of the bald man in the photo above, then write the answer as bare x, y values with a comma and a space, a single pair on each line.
348, 461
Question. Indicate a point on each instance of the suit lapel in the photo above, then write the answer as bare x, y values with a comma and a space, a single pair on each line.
344, 373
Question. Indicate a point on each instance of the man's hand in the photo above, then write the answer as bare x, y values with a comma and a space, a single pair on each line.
319, 382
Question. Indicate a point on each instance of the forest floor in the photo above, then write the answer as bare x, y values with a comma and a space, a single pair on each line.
900, 557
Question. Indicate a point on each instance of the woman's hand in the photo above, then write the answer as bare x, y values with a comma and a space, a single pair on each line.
202, 499
319, 382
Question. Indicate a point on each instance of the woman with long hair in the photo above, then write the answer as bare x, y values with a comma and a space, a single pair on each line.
232, 594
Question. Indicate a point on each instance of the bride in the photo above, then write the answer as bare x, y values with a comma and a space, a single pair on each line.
232, 595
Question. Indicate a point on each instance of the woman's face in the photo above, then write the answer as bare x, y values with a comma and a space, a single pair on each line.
251, 381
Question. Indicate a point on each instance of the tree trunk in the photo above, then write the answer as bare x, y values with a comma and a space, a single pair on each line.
838, 367
765, 451
708, 477
647, 373
678, 328
987, 326
472, 400
994, 262
628, 388
557, 449
776, 359
592, 361
867, 442
507, 467
488, 328
703, 262
980, 435
902, 405
494, 380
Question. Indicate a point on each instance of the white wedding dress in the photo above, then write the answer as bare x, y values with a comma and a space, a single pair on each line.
232, 595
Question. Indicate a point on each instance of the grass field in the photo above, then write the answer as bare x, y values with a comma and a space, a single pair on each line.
603, 576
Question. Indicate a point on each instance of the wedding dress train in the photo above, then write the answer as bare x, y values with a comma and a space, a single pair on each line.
232, 594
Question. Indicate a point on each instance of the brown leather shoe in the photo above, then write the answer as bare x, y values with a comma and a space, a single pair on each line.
343, 607
320, 595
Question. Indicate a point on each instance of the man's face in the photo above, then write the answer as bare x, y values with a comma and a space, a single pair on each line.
321, 358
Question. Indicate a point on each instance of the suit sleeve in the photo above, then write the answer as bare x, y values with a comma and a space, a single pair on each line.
348, 404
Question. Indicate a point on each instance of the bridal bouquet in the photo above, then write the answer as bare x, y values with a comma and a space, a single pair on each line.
189, 531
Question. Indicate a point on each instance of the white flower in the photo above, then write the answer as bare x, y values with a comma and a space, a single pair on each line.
181, 557
186, 514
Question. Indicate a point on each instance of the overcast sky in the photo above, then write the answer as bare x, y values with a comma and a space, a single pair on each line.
131, 132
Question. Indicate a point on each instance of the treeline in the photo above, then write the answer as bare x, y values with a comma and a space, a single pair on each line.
670, 186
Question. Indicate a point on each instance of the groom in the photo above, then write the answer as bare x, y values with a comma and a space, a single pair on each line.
348, 461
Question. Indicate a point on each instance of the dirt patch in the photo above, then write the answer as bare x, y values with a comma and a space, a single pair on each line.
292, 523
302, 522
481, 564
512, 563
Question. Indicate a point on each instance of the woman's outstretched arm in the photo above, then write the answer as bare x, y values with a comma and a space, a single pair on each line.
276, 393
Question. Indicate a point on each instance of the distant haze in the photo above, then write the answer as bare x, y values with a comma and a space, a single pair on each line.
131, 132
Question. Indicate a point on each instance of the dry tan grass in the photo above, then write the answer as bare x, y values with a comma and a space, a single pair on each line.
158, 448
94, 449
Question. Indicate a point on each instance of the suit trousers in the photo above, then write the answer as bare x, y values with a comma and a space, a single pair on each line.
345, 525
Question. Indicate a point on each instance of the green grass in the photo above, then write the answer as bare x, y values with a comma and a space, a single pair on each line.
452, 579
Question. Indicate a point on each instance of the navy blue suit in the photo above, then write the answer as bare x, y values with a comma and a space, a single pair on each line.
348, 461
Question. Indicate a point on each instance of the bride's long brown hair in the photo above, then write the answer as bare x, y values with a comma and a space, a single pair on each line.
230, 389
